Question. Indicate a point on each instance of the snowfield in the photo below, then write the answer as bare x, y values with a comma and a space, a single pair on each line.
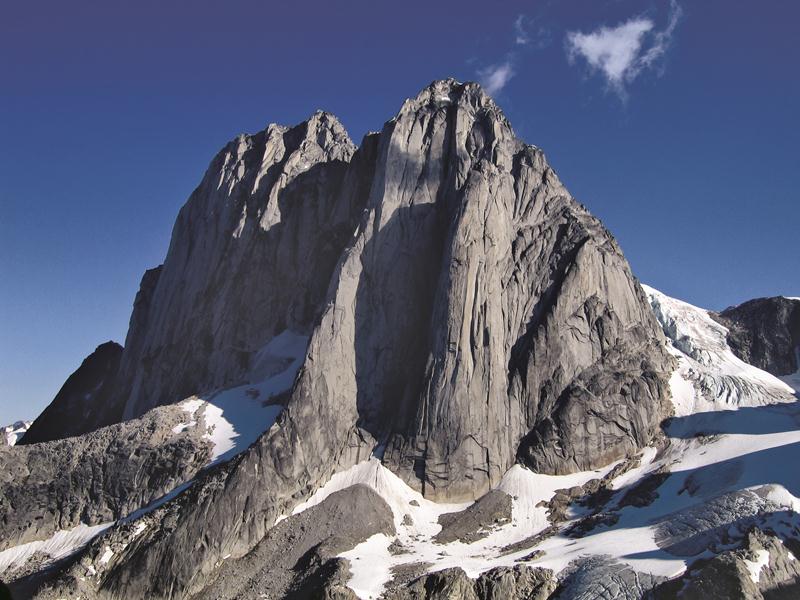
59, 545
233, 418
721, 469
735, 430
236, 417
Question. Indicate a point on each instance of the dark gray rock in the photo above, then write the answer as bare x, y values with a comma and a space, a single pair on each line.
518, 582
765, 332
602, 578
97, 477
477, 520
477, 315
297, 557
502, 583
296, 560
80, 404
731, 574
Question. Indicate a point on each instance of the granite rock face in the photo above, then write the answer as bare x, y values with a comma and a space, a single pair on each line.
511, 583
251, 255
763, 568
765, 333
81, 404
478, 305
95, 478
299, 554
465, 313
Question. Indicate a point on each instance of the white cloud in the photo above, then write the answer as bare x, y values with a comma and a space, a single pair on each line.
528, 31
621, 53
495, 77
521, 35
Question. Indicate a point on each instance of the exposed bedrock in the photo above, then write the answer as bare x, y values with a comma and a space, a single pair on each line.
251, 254
81, 403
97, 477
298, 556
465, 313
763, 568
506, 583
765, 332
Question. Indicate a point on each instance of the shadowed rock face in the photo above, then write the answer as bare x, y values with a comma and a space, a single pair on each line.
251, 255
97, 477
465, 313
508, 583
765, 332
81, 403
297, 554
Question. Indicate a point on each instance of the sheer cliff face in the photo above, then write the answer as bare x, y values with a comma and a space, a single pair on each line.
765, 332
465, 313
478, 303
251, 255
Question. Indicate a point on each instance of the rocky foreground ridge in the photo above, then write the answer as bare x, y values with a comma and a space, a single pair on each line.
406, 326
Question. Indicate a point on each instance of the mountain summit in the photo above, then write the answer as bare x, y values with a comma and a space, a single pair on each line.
343, 341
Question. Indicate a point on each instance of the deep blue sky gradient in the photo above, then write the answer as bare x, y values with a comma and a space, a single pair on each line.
111, 111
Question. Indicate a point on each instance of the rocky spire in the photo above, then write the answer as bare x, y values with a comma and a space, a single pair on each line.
475, 315
251, 255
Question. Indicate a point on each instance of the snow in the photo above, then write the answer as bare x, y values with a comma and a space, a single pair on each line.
793, 380
237, 416
15, 431
371, 561
734, 429
370, 566
710, 377
754, 566
190, 406
632, 475
59, 545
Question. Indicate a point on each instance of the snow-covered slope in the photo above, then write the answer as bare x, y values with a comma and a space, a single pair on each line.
59, 545
233, 419
721, 469
15, 431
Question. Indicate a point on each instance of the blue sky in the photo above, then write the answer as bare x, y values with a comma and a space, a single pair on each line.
676, 123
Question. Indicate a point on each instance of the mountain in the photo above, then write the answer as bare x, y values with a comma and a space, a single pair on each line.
76, 409
766, 333
14, 432
415, 368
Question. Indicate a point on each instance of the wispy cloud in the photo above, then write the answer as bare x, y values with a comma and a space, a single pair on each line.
495, 77
528, 31
621, 53
521, 36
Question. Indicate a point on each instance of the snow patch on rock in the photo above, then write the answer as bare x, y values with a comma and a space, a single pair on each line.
754, 566
735, 429
15, 431
60, 545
